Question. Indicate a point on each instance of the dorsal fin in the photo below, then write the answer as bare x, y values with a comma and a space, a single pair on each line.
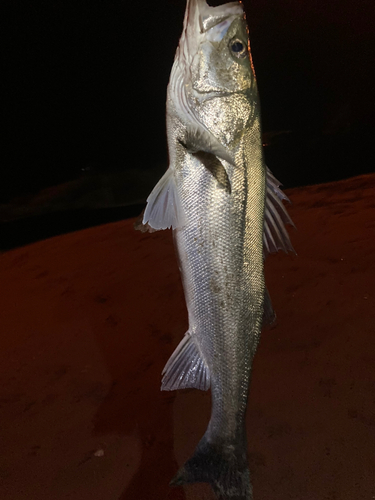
275, 235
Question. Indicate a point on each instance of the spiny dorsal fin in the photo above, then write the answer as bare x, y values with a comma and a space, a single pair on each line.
275, 236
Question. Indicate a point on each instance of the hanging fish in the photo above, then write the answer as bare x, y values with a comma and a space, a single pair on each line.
226, 212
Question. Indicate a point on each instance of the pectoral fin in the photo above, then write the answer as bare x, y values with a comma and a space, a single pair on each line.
214, 165
199, 139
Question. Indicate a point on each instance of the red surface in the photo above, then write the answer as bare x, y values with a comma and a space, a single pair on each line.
88, 320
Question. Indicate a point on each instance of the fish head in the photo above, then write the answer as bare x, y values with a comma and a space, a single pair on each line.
213, 56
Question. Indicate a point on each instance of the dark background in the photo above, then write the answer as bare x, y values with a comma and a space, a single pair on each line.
84, 86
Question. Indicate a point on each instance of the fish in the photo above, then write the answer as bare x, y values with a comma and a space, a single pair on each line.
227, 214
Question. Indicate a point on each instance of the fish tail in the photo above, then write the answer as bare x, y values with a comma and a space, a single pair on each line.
224, 466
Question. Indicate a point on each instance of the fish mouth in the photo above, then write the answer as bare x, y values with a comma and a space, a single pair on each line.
212, 16
200, 18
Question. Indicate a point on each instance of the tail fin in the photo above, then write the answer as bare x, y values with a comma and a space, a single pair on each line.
223, 466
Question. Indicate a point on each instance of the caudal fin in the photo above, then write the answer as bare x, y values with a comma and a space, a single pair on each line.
223, 466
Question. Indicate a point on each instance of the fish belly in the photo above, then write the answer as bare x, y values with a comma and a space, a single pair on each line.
221, 259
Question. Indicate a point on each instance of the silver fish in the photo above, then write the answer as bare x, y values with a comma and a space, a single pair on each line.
226, 211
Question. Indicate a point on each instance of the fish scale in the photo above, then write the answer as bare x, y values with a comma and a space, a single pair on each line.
213, 196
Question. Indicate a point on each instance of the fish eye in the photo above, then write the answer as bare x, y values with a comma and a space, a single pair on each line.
238, 48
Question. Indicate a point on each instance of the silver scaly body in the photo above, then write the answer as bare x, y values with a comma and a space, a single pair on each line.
226, 212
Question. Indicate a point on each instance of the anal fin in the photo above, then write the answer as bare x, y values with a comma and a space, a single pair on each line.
186, 368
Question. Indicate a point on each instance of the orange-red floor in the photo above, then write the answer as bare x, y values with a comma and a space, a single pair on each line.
89, 319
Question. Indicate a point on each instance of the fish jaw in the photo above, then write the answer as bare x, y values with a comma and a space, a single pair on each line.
201, 17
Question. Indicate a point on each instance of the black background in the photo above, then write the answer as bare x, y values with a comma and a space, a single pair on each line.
84, 87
